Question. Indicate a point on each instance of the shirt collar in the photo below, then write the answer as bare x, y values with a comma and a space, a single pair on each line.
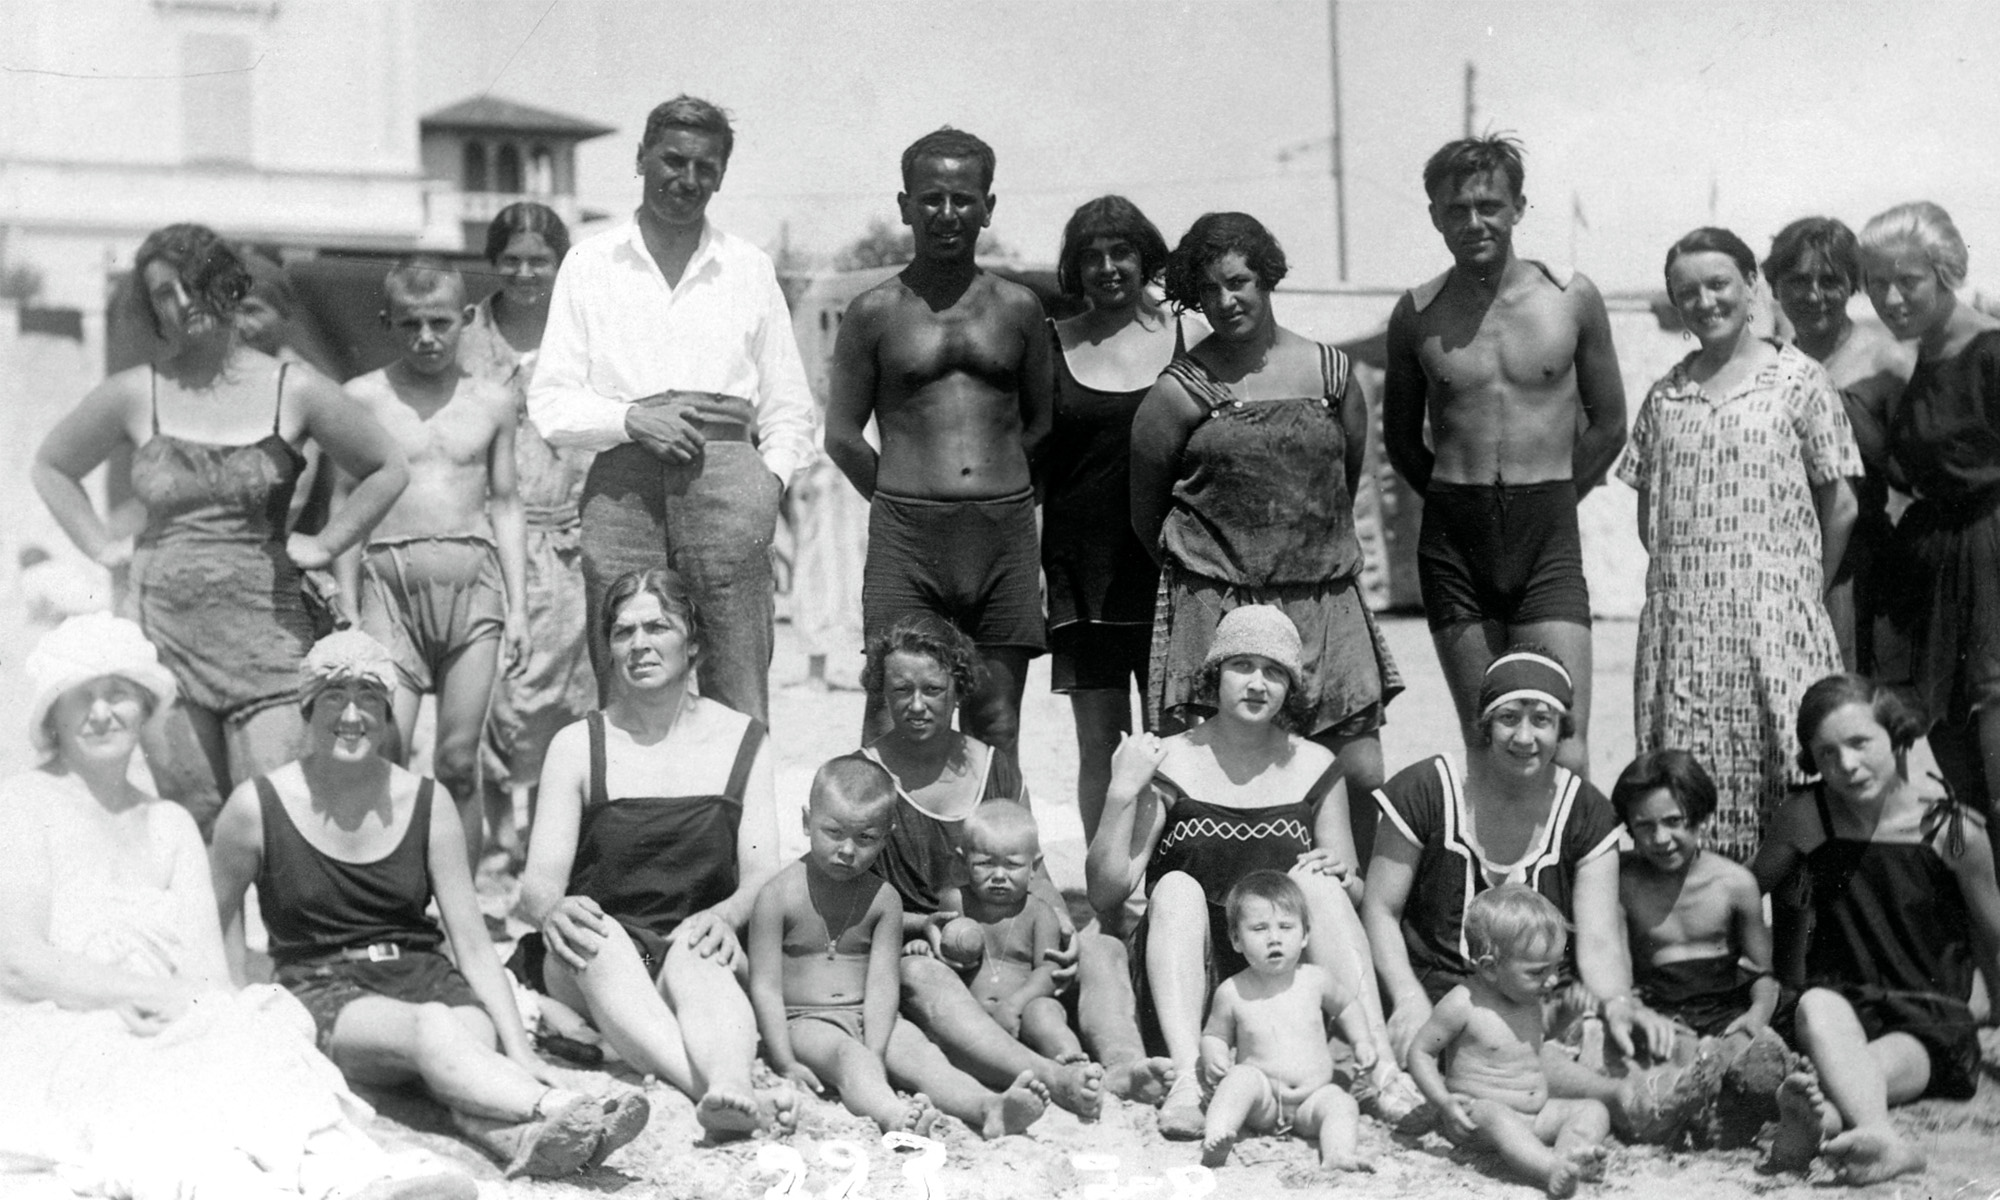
706, 249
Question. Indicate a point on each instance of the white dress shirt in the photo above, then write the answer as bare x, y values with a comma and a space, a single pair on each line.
617, 333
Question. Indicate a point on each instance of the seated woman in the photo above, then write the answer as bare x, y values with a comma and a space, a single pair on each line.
656, 827
1268, 798
133, 1066
1509, 813
919, 670
1904, 907
347, 851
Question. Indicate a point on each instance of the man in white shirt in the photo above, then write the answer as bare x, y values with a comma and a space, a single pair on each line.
669, 351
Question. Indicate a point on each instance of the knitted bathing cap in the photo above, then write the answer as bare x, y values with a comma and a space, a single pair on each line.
1260, 629
349, 656
90, 647
1524, 675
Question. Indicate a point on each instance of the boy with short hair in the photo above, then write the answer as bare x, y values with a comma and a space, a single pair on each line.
826, 938
1002, 852
1264, 1049
1493, 1091
442, 580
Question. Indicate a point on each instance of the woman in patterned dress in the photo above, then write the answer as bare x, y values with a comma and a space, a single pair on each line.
1742, 457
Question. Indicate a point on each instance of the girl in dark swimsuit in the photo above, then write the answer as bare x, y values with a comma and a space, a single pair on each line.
656, 826
217, 430
1271, 799
1904, 909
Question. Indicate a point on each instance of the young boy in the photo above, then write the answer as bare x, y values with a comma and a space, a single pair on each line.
431, 580
1701, 952
1264, 1049
1493, 1091
1002, 852
825, 943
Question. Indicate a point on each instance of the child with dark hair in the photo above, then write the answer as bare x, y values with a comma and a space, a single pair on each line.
1264, 1049
1478, 1058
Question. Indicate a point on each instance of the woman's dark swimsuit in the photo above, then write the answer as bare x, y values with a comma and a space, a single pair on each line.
651, 862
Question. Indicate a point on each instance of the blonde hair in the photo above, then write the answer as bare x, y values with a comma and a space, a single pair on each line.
1511, 920
1927, 227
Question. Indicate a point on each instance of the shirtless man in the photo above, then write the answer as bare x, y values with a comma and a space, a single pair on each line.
953, 364
431, 580
1507, 358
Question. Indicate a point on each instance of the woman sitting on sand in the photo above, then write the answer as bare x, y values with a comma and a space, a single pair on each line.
655, 829
133, 1067
1193, 813
1905, 906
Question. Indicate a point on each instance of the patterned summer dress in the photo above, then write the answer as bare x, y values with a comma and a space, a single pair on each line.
1735, 628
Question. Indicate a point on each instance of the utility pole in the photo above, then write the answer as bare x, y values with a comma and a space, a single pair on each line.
1339, 173
1470, 72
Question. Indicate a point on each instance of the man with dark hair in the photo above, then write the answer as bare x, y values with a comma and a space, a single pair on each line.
669, 351
1507, 358
953, 364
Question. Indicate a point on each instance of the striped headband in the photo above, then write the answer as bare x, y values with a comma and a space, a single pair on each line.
1524, 675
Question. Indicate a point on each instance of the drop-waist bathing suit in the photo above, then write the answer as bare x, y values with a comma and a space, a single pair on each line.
1262, 515
652, 862
921, 859
1216, 845
1890, 934
321, 910
212, 586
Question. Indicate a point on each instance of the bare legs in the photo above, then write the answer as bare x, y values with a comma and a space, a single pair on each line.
1177, 971
1360, 757
1466, 650
463, 696
1102, 717
1859, 1081
1555, 1148
1246, 1098
1105, 1012
197, 757
935, 999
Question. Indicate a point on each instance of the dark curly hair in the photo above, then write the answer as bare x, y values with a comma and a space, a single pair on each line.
1894, 708
1675, 770
663, 585
1711, 239
1823, 237
1210, 237
1460, 160
1108, 217
932, 637
946, 142
1294, 715
213, 272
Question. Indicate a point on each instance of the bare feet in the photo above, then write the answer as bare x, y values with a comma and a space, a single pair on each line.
1561, 1182
919, 1116
1588, 1160
1013, 1110
1078, 1086
1334, 1160
1805, 1119
1180, 1112
1871, 1154
1215, 1148
1142, 1081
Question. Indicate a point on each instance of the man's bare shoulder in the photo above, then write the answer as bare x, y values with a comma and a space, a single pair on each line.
1018, 298
372, 388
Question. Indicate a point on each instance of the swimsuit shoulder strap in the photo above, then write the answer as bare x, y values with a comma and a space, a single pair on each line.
746, 757
1180, 337
1207, 390
153, 395
278, 404
1324, 784
1825, 813
1332, 374
595, 724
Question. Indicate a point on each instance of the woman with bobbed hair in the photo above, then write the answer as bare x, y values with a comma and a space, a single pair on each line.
1100, 579
1741, 456
1943, 439
1905, 908
1245, 460
217, 430
555, 684
1814, 269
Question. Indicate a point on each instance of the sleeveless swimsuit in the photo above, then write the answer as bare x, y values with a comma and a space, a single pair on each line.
921, 859
651, 862
212, 585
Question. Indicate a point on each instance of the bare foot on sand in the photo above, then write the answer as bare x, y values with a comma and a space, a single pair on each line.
1805, 1119
1078, 1087
920, 1117
1561, 1181
1334, 1160
1013, 1110
1180, 1112
1142, 1081
1871, 1154
1215, 1149
725, 1113
1588, 1161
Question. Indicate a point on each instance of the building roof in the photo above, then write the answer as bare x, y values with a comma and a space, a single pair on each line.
499, 113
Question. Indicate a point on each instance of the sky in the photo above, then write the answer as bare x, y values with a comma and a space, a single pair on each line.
1641, 120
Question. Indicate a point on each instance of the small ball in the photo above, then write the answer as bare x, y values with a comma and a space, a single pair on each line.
963, 942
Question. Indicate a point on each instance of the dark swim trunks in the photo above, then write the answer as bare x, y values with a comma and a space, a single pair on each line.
328, 985
428, 600
1704, 994
1502, 552
976, 563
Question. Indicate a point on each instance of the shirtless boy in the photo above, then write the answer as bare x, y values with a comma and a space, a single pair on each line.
953, 364
1489, 1029
1506, 357
826, 938
431, 580
1002, 852
1264, 1049
1701, 951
